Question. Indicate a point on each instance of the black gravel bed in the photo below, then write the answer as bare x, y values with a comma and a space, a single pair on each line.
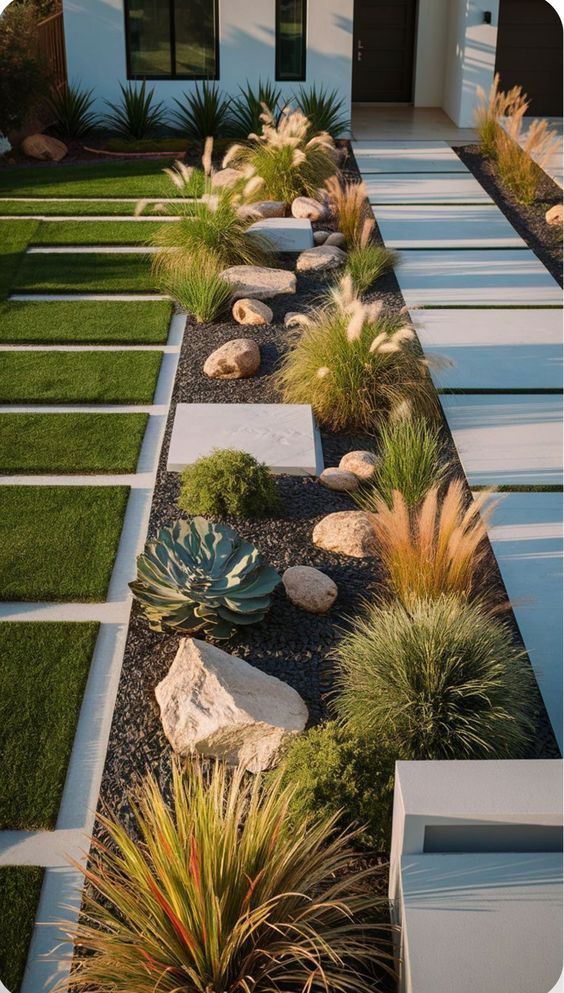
543, 239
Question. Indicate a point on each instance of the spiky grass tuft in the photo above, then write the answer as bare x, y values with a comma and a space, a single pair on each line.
410, 462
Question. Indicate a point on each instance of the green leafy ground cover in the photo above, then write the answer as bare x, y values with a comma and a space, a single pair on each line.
42, 679
87, 273
78, 377
103, 179
67, 443
58, 543
14, 238
96, 322
95, 232
20, 886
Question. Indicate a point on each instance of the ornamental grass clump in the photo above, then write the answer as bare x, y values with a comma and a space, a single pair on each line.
351, 210
228, 482
438, 680
354, 363
222, 892
200, 289
490, 107
409, 463
288, 161
520, 161
197, 576
436, 548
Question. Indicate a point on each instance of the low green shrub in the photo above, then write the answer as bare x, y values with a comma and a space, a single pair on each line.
410, 462
25, 77
438, 680
366, 263
228, 482
336, 772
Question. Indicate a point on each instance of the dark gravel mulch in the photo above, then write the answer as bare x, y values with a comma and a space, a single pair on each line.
529, 221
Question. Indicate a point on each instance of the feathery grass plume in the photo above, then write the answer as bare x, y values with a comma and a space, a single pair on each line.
324, 111
490, 107
365, 264
351, 209
354, 363
288, 161
439, 679
207, 156
409, 462
519, 162
225, 893
435, 548
136, 115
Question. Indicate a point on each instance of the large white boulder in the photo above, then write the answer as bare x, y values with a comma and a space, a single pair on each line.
221, 707
259, 282
309, 588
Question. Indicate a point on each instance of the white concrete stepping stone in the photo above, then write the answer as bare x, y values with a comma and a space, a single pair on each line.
526, 535
504, 439
406, 156
492, 349
500, 277
425, 188
284, 435
285, 234
442, 226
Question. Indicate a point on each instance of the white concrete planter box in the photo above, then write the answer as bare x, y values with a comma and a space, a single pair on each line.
285, 234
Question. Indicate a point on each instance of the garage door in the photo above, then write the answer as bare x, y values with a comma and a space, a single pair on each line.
529, 53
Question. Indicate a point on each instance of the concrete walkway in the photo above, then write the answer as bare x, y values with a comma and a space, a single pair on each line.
465, 263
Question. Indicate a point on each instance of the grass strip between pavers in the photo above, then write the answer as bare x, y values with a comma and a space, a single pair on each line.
18, 207
90, 272
20, 887
78, 377
95, 232
45, 666
68, 443
141, 179
58, 543
94, 322
14, 239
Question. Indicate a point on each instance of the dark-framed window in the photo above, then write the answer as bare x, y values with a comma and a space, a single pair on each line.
172, 39
291, 25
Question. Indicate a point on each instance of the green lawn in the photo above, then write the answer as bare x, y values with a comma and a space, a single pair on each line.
78, 377
14, 238
103, 179
66, 443
47, 208
95, 322
95, 232
20, 886
90, 272
44, 671
58, 543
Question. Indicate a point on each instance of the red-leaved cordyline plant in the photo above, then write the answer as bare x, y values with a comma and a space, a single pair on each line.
223, 893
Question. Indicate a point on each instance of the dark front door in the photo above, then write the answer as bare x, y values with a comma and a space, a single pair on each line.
529, 53
383, 38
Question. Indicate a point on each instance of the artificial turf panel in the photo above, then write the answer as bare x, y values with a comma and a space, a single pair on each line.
14, 239
44, 671
91, 272
95, 232
47, 208
95, 322
58, 543
67, 443
78, 377
101, 179
20, 886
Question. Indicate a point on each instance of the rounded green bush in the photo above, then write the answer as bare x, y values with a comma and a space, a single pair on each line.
439, 680
228, 482
333, 770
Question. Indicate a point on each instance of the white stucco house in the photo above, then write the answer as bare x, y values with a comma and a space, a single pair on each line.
427, 53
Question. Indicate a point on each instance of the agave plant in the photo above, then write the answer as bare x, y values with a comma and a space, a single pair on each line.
199, 576
248, 108
137, 115
71, 109
324, 110
203, 113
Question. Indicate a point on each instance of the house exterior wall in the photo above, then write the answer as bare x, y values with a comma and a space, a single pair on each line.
96, 53
470, 57
430, 52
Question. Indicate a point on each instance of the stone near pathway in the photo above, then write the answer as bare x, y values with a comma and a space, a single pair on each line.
492, 349
283, 435
338, 479
406, 156
424, 188
347, 532
308, 208
284, 234
441, 226
526, 535
362, 464
504, 439
321, 259
246, 311
259, 282
236, 359
470, 277
309, 588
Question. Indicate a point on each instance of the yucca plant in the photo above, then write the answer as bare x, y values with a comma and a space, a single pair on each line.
438, 680
436, 548
203, 113
490, 107
71, 110
354, 363
288, 161
198, 576
137, 115
325, 111
248, 108
225, 893
409, 462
